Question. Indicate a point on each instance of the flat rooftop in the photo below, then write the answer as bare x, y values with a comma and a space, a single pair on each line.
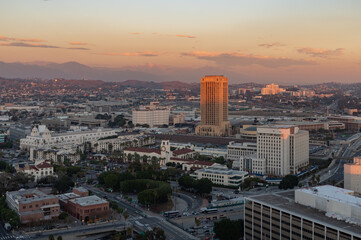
88, 201
28, 195
285, 201
334, 193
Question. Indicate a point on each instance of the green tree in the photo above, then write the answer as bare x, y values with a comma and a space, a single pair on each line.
111, 181
288, 182
227, 229
51, 237
59, 238
64, 184
204, 185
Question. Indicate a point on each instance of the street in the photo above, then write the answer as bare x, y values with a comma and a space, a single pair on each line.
144, 217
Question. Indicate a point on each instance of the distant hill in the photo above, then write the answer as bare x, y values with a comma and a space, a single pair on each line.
71, 70
159, 85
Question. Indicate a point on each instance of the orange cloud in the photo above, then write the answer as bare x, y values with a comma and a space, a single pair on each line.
3, 38
241, 59
133, 54
185, 36
23, 44
78, 48
270, 45
77, 43
322, 53
135, 33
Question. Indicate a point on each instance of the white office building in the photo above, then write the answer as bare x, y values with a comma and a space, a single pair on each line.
284, 148
337, 202
151, 115
251, 164
220, 174
237, 150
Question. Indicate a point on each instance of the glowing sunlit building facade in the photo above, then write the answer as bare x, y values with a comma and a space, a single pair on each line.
352, 175
214, 107
272, 89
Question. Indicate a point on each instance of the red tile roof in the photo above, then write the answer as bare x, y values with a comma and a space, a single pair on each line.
182, 151
44, 165
142, 149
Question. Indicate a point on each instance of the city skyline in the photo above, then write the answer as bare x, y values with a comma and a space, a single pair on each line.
263, 41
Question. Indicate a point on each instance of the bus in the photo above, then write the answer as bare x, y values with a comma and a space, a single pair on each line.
209, 210
171, 214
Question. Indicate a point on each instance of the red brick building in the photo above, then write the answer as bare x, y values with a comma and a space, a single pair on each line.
88, 208
32, 205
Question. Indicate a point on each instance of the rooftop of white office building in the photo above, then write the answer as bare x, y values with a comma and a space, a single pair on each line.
334, 193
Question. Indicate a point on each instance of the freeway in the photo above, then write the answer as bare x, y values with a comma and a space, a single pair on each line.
335, 174
144, 217
71, 233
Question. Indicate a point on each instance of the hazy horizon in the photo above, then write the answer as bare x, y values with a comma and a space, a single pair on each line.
287, 42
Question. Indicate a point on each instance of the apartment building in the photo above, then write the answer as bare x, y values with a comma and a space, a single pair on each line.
32, 205
308, 214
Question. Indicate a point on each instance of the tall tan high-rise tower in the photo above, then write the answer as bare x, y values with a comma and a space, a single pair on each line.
214, 107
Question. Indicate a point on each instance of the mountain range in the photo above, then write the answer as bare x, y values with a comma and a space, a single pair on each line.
71, 70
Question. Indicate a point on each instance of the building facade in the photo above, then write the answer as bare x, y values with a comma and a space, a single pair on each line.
220, 174
152, 115
352, 175
32, 205
214, 107
285, 148
272, 89
88, 208
37, 170
237, 150
279, 216
41, 137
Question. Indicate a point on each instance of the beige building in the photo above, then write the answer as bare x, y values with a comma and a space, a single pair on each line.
284, 147
152, 115
272, 89
220, 174
352, 175
214, 107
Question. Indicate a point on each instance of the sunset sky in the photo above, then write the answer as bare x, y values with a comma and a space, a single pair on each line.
304, 41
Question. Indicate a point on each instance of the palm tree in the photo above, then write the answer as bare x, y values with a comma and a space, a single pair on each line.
126, 216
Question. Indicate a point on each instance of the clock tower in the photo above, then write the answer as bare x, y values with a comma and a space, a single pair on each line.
165, 151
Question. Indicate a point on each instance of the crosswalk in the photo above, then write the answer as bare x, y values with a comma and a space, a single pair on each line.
7, 237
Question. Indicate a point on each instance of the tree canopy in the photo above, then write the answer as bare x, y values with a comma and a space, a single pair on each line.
227, 229
288, 182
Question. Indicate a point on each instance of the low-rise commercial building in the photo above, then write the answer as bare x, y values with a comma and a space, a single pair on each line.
32, 205
88, 208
